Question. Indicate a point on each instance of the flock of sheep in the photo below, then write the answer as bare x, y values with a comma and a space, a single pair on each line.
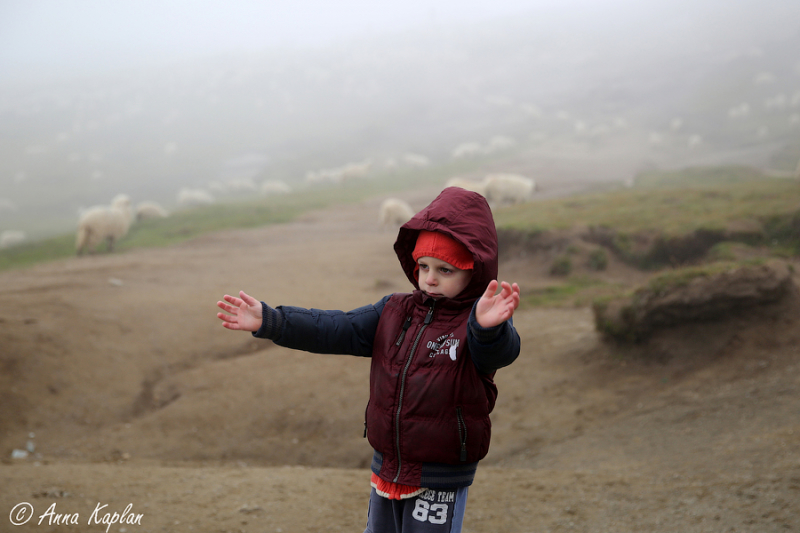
498, 189
107, 224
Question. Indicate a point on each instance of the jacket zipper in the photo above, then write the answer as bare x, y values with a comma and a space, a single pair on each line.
406, 325
462, 435
428, 319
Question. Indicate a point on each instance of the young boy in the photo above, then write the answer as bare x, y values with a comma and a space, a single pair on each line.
434, 354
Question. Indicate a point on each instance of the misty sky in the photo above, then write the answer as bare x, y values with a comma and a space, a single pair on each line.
59, 35
49, 33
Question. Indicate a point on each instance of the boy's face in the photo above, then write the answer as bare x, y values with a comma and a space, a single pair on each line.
439, 279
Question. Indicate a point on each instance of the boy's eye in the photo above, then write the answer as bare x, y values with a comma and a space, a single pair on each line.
423, 266
444, 270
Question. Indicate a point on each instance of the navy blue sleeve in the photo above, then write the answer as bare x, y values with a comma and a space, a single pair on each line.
319, 331
492, 348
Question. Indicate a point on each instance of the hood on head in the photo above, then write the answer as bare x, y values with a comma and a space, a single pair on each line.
465, 216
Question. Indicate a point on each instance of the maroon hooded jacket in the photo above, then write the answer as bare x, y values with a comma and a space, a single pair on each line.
431, 378
429, 403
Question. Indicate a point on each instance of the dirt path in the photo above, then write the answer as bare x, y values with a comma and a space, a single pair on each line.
116, 371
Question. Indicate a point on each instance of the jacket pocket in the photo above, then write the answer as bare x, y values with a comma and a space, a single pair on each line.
366, 413
462, 434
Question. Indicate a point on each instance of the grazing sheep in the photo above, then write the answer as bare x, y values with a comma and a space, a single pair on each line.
148, 210
655, 138
240, 184
355, 170
194, 197
416, 160
739, 111
390, 164
470, 185
325, 175
764, 78
779, 102
11, 238
466, 150
217, 187
394, 213
503, 189
499, 143
275, 187
104, 223
797, 171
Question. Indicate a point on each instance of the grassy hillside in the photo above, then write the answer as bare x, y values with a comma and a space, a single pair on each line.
672, 203
668, 222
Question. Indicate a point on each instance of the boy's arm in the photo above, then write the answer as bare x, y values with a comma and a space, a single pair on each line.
319, 331
492, 348
493, 340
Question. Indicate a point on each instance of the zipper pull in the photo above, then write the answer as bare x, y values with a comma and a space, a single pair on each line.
463, 452
406, 325
365, 429
429, 316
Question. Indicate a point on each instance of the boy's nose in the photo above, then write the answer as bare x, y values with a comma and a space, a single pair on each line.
431, 280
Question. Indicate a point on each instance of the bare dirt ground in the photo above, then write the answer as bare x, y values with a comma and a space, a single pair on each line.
117, 374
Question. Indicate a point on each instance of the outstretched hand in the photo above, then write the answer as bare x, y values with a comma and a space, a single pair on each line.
494, 309
242, 314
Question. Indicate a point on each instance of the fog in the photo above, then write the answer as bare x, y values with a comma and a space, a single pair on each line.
146, 98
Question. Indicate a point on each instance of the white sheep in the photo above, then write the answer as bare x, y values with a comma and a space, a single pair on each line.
270, 187
10, 237
500, 143
394, 213
470, 185
503, 189
355, 170
416, 160
148, 210
797, 170
325, 175
194, 197
467, 150
104, 224
739, 111
240, 184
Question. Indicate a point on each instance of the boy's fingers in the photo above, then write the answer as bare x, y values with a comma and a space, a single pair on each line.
506, 290
249, 300
225, 318
226, 307
233, 299
490, 289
